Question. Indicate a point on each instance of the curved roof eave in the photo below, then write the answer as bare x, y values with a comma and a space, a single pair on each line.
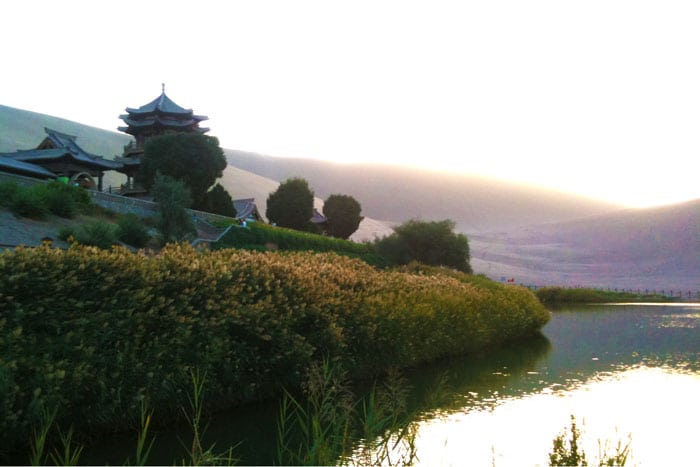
161, 103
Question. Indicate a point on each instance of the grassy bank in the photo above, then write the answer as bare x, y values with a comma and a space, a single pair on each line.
261, 237
93, 333
557, 295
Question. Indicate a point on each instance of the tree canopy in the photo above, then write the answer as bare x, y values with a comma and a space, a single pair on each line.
291, 205
218, 201
434, 243
193, 158
173, 198
343, 217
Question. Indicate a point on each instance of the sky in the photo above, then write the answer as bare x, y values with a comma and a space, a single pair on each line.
598, 98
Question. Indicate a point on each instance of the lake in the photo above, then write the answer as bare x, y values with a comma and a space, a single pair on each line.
624, 369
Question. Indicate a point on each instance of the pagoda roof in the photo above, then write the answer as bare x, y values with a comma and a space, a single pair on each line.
155, 120
163, 105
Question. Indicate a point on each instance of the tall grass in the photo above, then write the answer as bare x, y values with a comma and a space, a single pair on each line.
330, 427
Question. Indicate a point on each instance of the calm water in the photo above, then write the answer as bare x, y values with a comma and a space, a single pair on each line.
620, 369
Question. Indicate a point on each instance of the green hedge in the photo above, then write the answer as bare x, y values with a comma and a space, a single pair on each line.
261, 236
93, 332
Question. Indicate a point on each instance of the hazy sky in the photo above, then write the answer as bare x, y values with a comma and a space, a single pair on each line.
600, 98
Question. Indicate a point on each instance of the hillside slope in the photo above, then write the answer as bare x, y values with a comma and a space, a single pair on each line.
22, 129
397, 194
636, 248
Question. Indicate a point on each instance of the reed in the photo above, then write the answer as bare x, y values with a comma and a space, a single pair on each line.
568, 452
328, 427
40, 437
143, 444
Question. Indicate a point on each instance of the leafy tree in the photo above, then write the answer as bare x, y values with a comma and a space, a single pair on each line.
433, 243
218, 201
195, 159
291, 205
343, 215
173, 198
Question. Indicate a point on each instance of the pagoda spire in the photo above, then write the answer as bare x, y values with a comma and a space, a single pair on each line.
163, 87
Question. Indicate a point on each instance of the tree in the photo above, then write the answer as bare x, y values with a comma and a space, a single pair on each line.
291, 205
218, 201
342, 214
432, 243
173, 198
194, 158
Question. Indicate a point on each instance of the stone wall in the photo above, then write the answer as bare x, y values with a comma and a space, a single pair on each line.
19, 179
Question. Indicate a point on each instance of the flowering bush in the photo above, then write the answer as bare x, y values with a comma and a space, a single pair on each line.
94, 332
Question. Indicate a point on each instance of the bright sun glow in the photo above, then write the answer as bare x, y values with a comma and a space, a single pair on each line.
598, 98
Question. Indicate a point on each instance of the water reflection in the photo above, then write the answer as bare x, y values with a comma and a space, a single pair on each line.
479, 380
630, 368
619, 369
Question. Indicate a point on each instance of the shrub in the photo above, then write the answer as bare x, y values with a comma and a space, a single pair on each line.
343, 215
94, 332
291, 205
260, 236
132, 231
173, 197
27, 202
65, 232
96, 233
433, 243
7, 193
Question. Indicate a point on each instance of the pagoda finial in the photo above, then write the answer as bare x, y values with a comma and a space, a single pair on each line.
163, 86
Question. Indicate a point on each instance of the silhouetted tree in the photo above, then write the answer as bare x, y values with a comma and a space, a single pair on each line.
291, 205
433, 243
342, 214
193, 158
218, 201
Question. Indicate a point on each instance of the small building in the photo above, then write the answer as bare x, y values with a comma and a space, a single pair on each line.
59, 156
247, 210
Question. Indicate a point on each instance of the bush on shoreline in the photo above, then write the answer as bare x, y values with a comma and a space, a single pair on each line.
94, 332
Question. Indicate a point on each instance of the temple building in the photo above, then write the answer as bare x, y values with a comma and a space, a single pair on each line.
158, 117
59, 156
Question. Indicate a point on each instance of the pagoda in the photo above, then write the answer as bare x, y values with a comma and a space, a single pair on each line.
158, 117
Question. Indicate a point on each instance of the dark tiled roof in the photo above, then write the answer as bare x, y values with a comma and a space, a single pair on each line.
157, 120
164, 105
161, 103
246, 209
318, 218
58, 146
9, 164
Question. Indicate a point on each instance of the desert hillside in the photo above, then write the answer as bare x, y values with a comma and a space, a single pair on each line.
636, 248
396, 194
